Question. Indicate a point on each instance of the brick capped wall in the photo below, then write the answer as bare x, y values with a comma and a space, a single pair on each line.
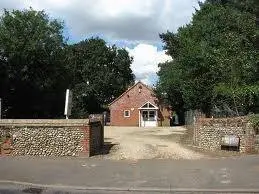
208, 133
131, 100
97, 129
50, 137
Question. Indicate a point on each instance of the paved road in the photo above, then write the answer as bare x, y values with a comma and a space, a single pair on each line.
144, 176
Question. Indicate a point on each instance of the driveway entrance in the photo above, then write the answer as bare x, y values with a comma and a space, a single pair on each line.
135, 143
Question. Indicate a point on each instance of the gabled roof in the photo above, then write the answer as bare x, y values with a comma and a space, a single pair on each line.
139, 82
148, 106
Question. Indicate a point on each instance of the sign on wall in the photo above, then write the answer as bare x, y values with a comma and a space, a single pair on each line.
68, 103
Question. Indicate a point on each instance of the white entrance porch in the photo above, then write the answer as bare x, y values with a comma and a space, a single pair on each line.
148, 115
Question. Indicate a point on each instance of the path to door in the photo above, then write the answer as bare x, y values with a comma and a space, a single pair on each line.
135, 143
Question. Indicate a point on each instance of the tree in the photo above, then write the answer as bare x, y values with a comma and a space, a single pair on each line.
32, 72
215, 52
99, 74
37, 66
244, 5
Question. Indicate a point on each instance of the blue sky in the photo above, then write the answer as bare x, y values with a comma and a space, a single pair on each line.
131, 24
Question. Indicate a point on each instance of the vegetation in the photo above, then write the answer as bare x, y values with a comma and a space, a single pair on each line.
254, 119
37, 66
100, 73
215, 63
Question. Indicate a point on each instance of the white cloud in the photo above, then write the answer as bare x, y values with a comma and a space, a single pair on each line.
123, 22
146, 60
131, 20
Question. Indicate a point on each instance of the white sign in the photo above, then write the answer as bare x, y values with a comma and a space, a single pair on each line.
68, 103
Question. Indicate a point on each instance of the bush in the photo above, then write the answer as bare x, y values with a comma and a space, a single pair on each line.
254, 119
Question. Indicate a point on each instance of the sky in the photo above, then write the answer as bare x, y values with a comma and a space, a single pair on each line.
131, 24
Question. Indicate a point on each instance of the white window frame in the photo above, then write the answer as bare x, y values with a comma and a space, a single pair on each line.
128, 112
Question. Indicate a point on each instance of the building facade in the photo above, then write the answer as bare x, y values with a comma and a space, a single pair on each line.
139, 106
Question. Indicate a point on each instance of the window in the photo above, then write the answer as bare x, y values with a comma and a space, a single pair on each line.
145, 106
151, 116
126, 113
148, 115
145, 115
150, 106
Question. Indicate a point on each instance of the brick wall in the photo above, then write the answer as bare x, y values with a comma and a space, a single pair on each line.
50, 137
95, 141
99, 118
133, 99
208, 133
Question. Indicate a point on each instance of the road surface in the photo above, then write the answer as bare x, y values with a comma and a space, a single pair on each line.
238, 174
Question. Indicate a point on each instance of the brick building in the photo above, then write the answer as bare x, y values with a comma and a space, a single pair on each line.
139, 106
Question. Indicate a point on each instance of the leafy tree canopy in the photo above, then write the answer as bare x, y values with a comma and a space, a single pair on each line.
213, 57
37, 66
100, 74
31, 67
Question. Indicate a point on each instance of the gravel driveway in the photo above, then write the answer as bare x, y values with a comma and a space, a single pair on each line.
135, 143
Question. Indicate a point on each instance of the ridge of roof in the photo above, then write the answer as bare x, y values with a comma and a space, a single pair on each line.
129, 90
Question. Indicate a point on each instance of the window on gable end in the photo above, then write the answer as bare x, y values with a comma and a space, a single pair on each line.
126, 113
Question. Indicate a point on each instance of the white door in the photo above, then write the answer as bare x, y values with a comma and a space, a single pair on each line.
148, 118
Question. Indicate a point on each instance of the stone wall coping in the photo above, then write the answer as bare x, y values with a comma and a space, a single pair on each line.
44, 122
223, 119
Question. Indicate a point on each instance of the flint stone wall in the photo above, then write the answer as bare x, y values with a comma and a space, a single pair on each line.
208, 133
51, 137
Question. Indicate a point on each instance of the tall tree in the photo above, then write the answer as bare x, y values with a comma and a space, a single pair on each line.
215, 59
32, 73
99, 74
